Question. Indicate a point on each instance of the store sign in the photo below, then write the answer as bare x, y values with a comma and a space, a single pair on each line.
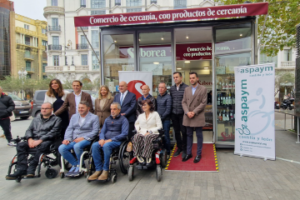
135, 81
254, 105
238, 44
193, 51
147, 51
237, 10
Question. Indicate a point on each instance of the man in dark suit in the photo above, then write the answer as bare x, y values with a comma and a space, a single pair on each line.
73, 99
127, 100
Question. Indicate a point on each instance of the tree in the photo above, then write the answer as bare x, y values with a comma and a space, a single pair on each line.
280, 26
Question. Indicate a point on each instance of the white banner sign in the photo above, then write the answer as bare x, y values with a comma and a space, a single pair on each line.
254, 105
135, 80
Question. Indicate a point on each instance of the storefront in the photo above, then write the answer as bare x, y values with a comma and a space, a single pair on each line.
209, 47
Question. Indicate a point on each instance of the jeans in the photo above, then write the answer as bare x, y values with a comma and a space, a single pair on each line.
64, 150
5, 124
190, 131
177, 126
166, 127
107, 150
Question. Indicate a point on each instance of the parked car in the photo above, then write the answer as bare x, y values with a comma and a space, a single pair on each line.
23, 108
39, 97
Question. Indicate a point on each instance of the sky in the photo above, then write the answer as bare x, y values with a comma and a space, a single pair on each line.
33, 9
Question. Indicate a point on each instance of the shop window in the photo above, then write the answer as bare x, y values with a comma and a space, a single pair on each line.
178, 4
56, 60
156, 56
118, 56
84, 59
54, 2
135, 4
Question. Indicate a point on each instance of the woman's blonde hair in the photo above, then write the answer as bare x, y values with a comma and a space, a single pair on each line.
60, 91
108, 92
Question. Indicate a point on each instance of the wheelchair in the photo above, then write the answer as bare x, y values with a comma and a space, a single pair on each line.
44, 159
159, 158
66, 166
118, 154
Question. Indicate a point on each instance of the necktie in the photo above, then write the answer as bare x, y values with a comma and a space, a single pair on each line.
122, 98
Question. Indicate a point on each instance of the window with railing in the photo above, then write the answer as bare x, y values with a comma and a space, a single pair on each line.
44, 67
44, 31
28, 66
55, 26
54, 2
55, 60
153, 2
26, 26
117, 2
83, 3
95, 61
133, 4
84, 59
100, 4
263, 58
180, 4
27, 40
287, 55
95, 38
44, 43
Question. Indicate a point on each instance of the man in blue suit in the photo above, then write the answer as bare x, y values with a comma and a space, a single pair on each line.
83, 128
127, 100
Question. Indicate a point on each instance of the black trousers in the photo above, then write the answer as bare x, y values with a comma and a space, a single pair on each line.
130, 129
180, 131
22, 153
5, 124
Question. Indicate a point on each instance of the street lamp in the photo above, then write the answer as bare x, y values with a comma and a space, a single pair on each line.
22, 75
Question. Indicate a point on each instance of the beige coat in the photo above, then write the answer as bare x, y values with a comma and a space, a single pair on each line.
152, 124
194, 103
105, 111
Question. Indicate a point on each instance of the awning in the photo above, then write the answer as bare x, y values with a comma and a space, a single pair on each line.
238, 10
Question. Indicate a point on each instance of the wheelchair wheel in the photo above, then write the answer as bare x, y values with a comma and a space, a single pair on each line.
124, 158
114, 178
51, 173
130, 173
62, 175
158, 173
68, 165
163, 159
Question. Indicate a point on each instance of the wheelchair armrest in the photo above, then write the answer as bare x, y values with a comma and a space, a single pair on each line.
161, 133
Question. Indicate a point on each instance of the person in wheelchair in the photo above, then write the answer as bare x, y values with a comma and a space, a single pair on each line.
113, 132
147, 126
83, 128
42, 132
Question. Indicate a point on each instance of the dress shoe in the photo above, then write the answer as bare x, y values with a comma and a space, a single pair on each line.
197, 159
103, 176
188, 156
95, 176
183, 154
177, 153
14, 176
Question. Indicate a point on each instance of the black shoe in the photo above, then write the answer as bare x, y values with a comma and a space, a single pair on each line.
183, 154
197, 159
188, 156
14, 176
177, 153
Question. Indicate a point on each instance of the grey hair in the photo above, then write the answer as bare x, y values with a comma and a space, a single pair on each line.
116, 103
85, 103
51, 105
163, 83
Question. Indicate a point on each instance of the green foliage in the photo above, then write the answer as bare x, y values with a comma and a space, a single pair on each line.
283, 77
280, 27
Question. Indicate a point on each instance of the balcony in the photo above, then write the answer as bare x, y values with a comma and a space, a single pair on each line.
53, 69
54, 29
30, 70
59, 69
287, 65
54, 47
28, 57
53, 10
84, 28
82, 46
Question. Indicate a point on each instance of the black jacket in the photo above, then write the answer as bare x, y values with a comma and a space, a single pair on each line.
7, 105
139, 109
164, 106
47, 129
177, 97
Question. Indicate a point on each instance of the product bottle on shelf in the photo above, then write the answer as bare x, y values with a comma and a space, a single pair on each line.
220, 116
218, 100
223, 116
231, 115
233, 99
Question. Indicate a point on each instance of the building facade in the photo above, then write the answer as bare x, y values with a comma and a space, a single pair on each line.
6, 39
31, 43
69, 53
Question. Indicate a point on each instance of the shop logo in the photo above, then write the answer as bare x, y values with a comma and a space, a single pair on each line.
255, 70
132, 87
244, 130
151, 53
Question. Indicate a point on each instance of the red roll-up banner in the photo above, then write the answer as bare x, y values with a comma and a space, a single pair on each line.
238, 10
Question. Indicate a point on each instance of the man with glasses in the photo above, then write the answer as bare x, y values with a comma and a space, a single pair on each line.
42, 132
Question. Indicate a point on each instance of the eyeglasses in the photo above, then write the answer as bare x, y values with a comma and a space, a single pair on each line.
45, 108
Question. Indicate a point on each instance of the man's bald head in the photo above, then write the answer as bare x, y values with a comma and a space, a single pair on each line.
122, 86
145, 90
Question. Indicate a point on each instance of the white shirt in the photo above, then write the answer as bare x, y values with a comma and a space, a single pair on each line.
77, 100
152, 124
81, 120
124, 95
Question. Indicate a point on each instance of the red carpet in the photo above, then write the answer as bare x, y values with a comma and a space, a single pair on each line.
208, 162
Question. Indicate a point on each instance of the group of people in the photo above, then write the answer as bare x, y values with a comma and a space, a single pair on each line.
71, 116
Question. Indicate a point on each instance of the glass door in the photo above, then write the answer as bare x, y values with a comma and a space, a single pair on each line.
233, 46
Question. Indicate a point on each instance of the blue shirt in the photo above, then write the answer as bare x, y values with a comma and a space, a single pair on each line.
194, 89
115, 129
146, 97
